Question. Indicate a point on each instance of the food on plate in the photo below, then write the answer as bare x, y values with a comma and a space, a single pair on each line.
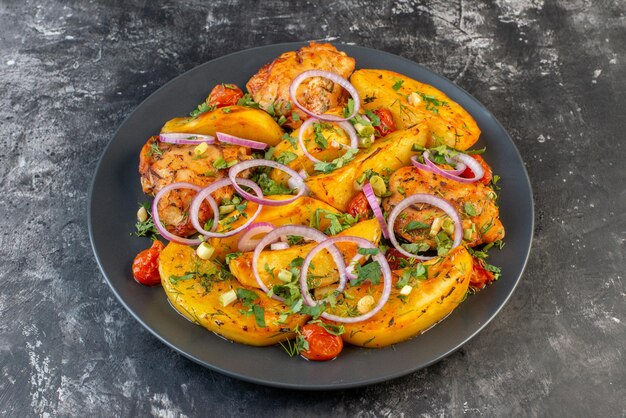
312, 211
411, 102
240, 121
209, 296
269, 87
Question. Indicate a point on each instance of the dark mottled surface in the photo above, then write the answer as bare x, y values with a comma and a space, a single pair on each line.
553, 72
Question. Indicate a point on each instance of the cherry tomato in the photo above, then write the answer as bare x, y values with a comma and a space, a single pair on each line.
359, 206
480, 276
387, 124
322, 344
225, 95
394, 258
488, 173
145, 265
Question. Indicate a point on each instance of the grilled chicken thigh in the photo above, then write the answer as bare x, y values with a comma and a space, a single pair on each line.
270, 85
161, 164
474, 202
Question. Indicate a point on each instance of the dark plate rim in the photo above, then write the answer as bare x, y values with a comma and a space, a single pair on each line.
334, 386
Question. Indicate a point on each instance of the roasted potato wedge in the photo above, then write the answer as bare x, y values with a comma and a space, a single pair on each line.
429, 302
385, 156
324, 273
194, 287
449, 123
298, 212
240, 121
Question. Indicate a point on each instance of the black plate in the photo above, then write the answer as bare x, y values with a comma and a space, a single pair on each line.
116, 190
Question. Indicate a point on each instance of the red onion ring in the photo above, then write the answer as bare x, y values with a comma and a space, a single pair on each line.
335, 78
346, 126
463, 161
296, 230
157, 220
235, 140
185, 138
205, 193
246, 242
361, 243
378, 213
430, 200
244, 165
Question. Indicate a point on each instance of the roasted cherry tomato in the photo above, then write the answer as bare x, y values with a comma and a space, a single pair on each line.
322, 344
488, 173
146, 266
394, 258
225, 95
359, 206
387, 124
480, 276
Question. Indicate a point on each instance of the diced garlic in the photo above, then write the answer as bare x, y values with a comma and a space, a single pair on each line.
365, 304
406, 290
414, 99
142, 214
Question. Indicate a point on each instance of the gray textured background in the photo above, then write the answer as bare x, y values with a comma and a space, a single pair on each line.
553, 72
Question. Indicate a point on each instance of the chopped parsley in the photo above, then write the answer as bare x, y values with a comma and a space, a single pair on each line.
146, 228
397, 85
247, 101
339, 162
202, 108
286, 157
248, 298
413, 225
370, 271
154, 149
271, 187
186, 276
368, 251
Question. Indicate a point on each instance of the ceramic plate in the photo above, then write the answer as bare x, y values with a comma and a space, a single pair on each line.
116, 190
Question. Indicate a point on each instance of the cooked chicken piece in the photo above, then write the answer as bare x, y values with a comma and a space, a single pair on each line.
270, 86
161, 164
474, 202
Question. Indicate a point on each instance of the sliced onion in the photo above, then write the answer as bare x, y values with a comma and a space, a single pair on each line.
205, 193
235, 140
279, 246
378, 213
463, 161
429, 200
247, 242
361, 243
296, 230
185, 138
346, 126
244, 165
335, 78
157, 220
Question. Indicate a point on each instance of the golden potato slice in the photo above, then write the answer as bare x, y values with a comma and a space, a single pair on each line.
324, 272
385, 156
449, 123
240, 121
194, 287
403, 317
